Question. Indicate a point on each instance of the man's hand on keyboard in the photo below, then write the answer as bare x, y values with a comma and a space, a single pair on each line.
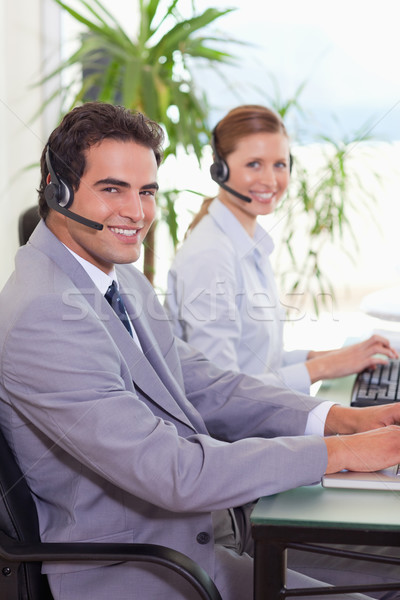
368, 451
350, 359
347, 420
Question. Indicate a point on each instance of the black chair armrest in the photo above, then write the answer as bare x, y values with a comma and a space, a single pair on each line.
16, 552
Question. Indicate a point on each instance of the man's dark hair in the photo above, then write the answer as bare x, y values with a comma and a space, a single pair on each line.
86, 126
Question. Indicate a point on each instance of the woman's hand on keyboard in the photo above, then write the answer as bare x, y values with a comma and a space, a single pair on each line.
350, 359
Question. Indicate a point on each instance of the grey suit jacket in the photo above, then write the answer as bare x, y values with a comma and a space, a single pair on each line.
124, 445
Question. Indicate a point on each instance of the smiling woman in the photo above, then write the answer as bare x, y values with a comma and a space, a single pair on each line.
222, 297
259, 169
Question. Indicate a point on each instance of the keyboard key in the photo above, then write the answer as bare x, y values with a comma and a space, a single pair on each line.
377, 386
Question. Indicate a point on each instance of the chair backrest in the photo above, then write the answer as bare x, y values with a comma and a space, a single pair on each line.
27, 223
18, 519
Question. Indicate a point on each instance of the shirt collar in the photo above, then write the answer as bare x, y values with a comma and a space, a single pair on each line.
261, 243
101, 280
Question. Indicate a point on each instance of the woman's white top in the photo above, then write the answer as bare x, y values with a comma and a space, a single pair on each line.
223, 300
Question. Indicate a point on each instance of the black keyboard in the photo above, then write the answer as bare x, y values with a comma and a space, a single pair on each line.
377, 386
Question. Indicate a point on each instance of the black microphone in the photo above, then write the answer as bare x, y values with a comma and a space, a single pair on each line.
59, 196
53, 203
219, 171
233, 192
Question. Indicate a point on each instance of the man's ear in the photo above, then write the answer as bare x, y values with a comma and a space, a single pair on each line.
48, 179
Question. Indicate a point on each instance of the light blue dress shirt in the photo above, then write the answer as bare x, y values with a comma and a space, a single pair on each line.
102, 281
222, 299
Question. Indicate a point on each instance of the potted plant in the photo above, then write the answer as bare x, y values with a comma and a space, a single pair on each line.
150, 72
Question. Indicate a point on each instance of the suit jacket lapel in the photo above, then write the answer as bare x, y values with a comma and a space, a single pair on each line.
145, 367
145, 375
161, 375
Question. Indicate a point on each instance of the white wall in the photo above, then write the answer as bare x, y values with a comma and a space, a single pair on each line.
23, 38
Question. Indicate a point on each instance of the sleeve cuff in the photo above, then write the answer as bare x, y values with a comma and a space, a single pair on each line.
316, 419
294, 356
296, 377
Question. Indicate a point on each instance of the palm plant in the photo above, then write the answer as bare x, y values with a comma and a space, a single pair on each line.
150, 73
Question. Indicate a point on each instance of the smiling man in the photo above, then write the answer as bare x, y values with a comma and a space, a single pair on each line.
115, 180
124, 433
124, 203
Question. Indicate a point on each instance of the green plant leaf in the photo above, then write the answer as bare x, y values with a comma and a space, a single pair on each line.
182, 30
150, 72
131, 81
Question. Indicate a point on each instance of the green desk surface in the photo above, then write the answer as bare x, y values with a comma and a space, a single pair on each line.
337, 390
315, 506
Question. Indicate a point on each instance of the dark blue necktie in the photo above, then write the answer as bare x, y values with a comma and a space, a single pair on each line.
113, 297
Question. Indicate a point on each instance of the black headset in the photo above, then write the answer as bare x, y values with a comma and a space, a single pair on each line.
219, 169
59, 196
57, 190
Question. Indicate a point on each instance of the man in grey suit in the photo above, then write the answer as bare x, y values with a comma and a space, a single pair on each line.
126, 434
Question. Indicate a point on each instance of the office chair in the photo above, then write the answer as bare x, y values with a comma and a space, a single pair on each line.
21, 552
27, 223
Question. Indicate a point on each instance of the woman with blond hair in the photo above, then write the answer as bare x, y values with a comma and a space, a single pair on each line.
222, 296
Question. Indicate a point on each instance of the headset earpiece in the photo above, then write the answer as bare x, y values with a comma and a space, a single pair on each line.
60, 192
219, 169
57, 190
59, 196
